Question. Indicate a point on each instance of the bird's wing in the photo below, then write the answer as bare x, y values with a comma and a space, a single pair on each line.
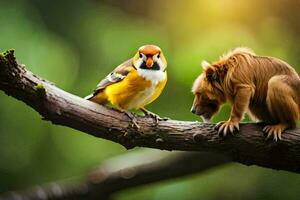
115, 76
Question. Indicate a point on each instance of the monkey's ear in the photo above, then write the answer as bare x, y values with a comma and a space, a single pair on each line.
210, 74
233, 60
205, 64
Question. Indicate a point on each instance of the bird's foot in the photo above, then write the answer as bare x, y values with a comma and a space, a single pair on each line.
225, 127
132, 118
156, 117
274, 131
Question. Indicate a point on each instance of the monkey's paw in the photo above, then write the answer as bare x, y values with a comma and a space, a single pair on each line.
275, 131
225, 127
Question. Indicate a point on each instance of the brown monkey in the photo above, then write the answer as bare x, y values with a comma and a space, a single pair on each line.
267, 87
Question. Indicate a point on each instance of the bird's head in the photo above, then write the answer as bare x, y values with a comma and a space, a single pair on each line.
150, 57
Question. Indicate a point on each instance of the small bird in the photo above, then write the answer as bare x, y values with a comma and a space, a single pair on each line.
135, 83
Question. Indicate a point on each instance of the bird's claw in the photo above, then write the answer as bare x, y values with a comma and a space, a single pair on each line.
164, 119
135, 124
154, 116
158, 118
133, 119
225, 127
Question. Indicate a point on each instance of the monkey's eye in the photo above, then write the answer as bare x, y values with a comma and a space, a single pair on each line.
141, 55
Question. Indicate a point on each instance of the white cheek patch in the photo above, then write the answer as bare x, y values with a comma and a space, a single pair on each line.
139, 62
161, 64
155, 76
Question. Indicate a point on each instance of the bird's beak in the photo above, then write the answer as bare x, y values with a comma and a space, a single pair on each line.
149, 62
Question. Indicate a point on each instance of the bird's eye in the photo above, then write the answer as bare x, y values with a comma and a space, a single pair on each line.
158, 55
141, 55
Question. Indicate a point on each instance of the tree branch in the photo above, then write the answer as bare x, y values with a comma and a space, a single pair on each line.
248, 147
119, 174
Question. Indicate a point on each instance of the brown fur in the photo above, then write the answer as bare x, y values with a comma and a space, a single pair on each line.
267, 87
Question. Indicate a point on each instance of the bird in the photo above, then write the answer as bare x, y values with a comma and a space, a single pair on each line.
135, 83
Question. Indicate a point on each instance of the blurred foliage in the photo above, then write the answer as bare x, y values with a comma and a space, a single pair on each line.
76, 43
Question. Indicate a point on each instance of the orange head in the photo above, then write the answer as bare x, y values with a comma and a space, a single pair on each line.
150, 57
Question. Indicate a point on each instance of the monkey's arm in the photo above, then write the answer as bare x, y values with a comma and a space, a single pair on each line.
241, 102
240, 105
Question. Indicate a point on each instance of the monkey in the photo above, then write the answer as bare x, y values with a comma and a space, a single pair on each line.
266, 88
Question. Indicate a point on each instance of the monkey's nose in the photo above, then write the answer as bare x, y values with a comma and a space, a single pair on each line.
193, 110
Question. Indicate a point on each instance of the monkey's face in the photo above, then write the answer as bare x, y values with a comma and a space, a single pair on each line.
206, 102
204, 107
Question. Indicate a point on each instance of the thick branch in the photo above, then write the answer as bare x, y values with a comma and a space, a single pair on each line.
248, 147
118, 174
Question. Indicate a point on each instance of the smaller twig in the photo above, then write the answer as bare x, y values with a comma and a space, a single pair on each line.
124, 172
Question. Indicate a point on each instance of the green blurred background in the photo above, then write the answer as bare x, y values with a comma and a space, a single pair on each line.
76, 43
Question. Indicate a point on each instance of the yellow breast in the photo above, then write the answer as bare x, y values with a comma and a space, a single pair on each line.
134, 91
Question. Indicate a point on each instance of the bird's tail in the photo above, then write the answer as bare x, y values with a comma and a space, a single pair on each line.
99, 98
89, 97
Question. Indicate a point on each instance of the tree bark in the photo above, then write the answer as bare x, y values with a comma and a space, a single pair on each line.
60, 107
